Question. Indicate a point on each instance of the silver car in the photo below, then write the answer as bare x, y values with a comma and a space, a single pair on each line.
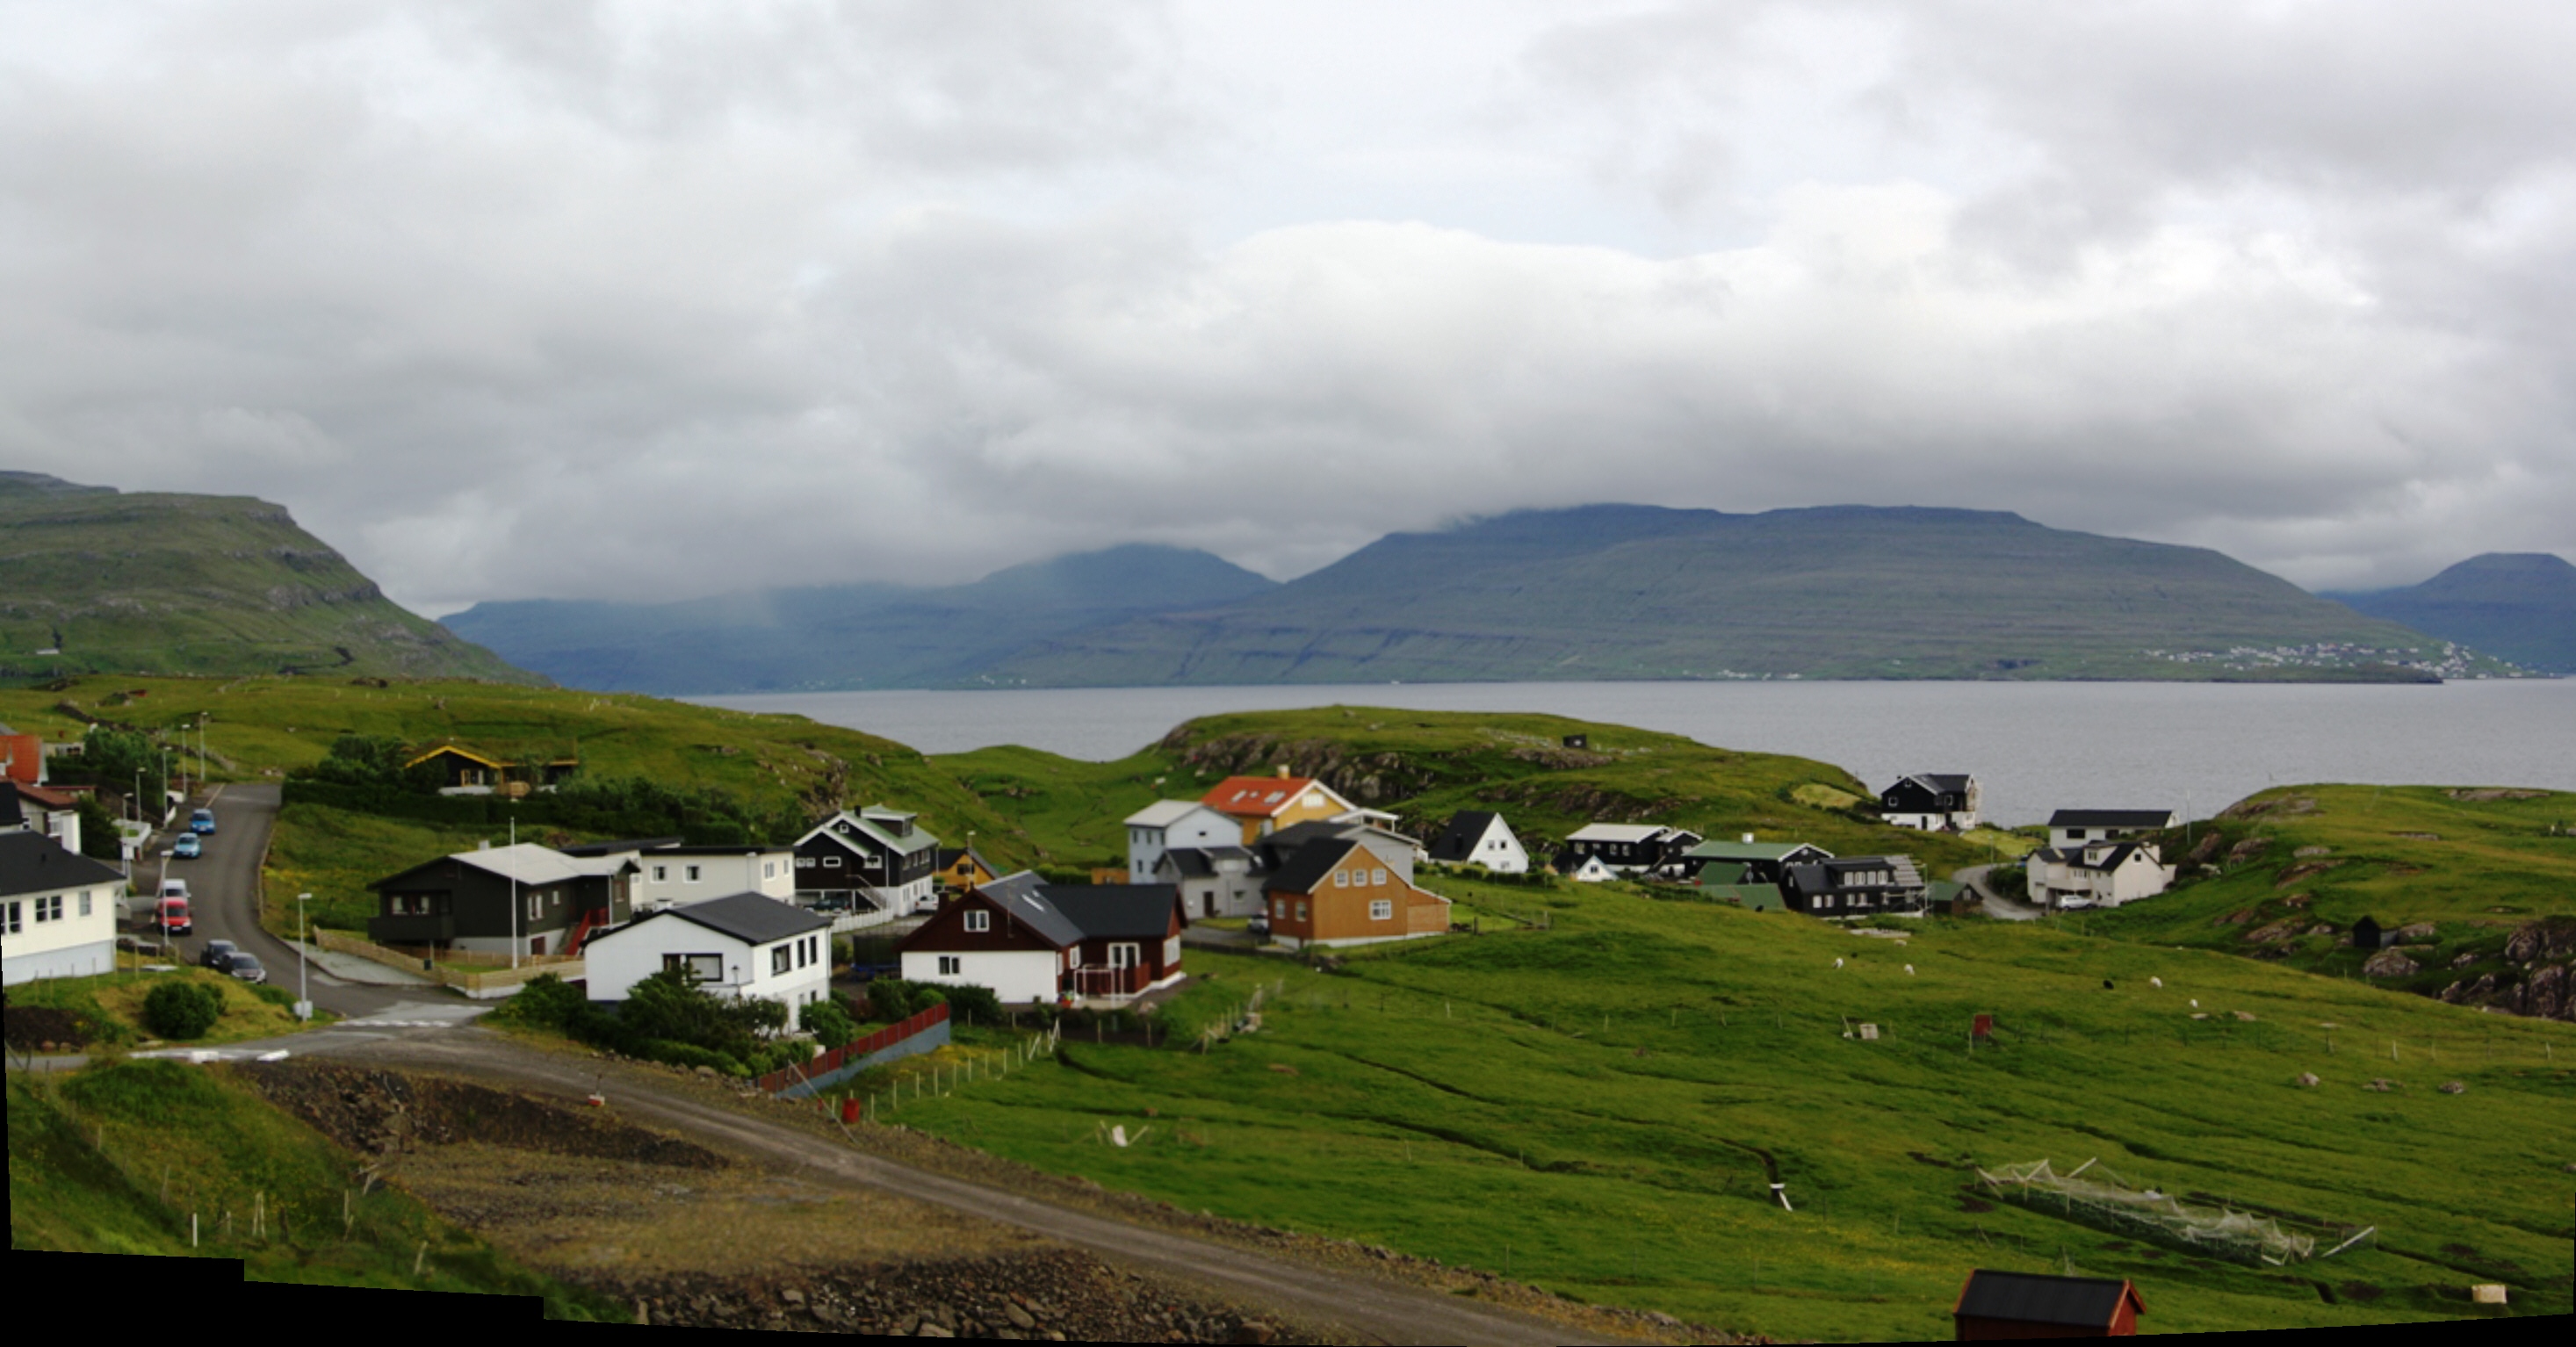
246, 967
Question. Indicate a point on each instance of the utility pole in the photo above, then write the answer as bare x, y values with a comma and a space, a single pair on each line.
303, 955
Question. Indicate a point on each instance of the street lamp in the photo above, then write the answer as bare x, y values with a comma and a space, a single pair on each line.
303, 956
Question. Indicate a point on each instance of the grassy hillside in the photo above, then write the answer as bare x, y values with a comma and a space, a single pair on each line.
2519, 606
117, 1158
2296, 866
157, 583
1425, 765
1600, 1108
848, 636
1614, 591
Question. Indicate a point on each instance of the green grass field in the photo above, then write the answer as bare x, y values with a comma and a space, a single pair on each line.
1598, 1108
2298, 865
116, 1158
114, 1002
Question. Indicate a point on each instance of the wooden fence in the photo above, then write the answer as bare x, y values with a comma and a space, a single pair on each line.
500, 982
921, 1033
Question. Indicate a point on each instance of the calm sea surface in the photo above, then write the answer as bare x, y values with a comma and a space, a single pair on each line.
2192, 747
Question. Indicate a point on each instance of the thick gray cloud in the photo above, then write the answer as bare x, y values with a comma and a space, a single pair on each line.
626, 300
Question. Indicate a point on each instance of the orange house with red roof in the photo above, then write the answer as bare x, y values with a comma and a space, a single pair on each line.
1265, 804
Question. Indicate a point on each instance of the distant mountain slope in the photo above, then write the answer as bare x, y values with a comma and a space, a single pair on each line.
1625, 591
154, 583
851, 636
2519, 606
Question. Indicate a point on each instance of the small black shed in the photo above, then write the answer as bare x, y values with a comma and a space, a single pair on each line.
2366, 933
2035, 1305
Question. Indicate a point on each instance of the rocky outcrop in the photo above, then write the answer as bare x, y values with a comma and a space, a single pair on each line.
2389, 963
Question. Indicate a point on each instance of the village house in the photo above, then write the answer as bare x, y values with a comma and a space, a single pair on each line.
1339, 891
1583, 868
1716, 862
961, 868
1628, 848
524, 899
2075, 827
1995, 1305
464, 771
57, 907
1481, 837
55, 813
22, 757
741, 946
1031, 941
1215, 881
670, 873
1167, 824
876, 860
1265, 804
1854, 886
1937, 802
2097, 874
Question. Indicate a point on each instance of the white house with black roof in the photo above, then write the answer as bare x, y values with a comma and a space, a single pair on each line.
1628, 848
669, 871
1481, 837
874, 860
1934, 801
2075, 827
2097, 874
1168, 824
1855, 886
1218, 881
740, 946
57, 910
1031, 941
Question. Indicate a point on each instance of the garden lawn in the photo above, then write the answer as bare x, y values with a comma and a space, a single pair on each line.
1600, 1108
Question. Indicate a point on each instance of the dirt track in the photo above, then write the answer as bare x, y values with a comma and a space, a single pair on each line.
1345, 1303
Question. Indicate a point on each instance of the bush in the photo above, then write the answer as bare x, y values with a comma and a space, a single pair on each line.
893, 999
830, 1025
973, 1004
546, 1002
182, 1009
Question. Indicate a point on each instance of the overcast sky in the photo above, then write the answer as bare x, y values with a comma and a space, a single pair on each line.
524, 299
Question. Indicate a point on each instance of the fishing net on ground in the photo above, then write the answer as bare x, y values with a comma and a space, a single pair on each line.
2098, 1197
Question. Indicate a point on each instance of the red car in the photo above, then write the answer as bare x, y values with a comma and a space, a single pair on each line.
170, 915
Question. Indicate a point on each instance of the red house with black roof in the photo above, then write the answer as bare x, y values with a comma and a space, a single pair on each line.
2036, 1305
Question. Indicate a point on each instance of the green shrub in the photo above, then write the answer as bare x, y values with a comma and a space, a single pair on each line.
545, 1002
829, 1023
891, 999
182, 1009
973, 1005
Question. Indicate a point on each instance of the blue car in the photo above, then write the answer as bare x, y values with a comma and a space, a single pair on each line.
202, 821
187, 848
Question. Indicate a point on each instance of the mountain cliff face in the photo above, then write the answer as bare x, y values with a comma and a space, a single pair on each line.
2518, 606
96, 581
850, 636
1638, 592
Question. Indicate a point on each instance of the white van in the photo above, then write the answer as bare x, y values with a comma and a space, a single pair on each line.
174, 888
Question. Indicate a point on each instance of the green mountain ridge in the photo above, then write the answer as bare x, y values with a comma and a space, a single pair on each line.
93, 580
1643, 592
2519, 606
849, 636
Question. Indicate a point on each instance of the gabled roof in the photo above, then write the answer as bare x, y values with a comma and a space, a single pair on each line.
1617, 832
1301, 872
844, 826
1939, 783
2113, 856
1466, 831
45, 797
1117, 911
2111, 818
1751, 851
949, 856
1199, 862
1165, 813
36, 863
530, 864
1264, 796
2038, 1298
466, 753
752, 918
1758, 897
1024, 896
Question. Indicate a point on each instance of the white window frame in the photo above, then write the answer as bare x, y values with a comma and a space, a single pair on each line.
1125, 954
49, 907
782, 961
661, 874
12, 920
1341, 879
84, 906
951, 966
689, 874
978, 920
1382, 909
1377, 876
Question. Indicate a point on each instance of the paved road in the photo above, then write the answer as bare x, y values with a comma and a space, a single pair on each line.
1994, 904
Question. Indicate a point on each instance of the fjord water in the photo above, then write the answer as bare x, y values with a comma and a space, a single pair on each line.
2191, 747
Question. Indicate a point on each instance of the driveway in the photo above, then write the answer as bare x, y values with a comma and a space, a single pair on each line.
1994, 904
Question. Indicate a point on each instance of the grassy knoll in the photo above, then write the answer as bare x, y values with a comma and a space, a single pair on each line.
116, 1158
1599, 1108
113, 1003
2297, 865
1425, 765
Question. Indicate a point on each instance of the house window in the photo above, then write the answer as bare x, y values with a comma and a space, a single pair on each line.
10, 923
979, 920
1382, 909
1377, 876
832, 862
661, 873
804, 862
951, 965
769, 869
1341, 879
1279, 909
700, 967
50, 907
691, 874
1301, 911
1122, 956
536, 904
84, 902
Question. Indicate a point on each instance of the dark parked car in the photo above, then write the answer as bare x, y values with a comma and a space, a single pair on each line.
246, 967
219, 955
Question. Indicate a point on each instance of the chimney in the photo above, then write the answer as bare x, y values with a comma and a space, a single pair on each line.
1283, 771
483, 845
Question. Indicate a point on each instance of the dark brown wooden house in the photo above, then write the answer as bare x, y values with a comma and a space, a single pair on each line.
1028, 940
2035, 1305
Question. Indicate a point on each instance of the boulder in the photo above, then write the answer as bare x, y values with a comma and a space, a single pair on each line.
2390, 963
2453, 1087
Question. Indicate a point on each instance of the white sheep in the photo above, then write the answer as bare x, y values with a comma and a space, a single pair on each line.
1909, 970
2155, 982
1838, 963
